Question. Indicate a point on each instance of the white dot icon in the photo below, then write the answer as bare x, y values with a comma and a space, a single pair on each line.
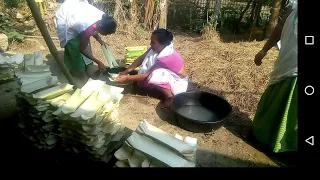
310, 91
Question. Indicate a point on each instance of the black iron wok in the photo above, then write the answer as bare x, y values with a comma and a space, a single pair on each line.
200, 111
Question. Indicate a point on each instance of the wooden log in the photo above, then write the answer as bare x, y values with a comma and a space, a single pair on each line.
53, 50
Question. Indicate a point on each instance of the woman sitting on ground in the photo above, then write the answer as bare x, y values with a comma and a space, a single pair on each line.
161, 68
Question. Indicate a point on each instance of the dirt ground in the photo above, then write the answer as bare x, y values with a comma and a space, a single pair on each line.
226, 69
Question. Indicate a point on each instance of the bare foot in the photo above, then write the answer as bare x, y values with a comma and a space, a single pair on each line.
167, 103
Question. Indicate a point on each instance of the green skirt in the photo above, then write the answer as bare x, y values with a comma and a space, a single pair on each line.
276, 121
73, 58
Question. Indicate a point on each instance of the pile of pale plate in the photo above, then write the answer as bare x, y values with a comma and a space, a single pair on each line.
8, 65
36, 101
35, 112
35, 74
149, 146
89, 120
85, 120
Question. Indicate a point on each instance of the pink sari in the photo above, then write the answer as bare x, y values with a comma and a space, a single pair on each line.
164, 74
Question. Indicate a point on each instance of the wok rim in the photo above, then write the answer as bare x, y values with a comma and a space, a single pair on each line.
201, 122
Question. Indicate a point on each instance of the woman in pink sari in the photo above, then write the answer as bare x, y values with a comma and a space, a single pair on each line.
161, 67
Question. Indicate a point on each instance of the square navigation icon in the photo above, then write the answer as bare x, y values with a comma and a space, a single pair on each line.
309, 40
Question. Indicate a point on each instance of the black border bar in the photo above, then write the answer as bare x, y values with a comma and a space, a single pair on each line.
308, 79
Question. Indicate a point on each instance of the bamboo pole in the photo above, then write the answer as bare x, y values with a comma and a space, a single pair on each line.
53, 50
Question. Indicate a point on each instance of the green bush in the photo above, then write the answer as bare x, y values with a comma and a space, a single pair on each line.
15, 36
7, 26
228, 17
14, 3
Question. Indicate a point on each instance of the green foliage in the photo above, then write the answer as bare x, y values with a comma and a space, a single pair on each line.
186, 17
15, 36
7, 26
228, 17
14, 3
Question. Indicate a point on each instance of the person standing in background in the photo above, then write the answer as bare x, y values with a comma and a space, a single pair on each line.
276, 121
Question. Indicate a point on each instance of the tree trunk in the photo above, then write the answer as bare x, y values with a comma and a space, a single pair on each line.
273, 20
216, 11
134, 12
149, 11
117, 10
259, 13
163, 14
256, 15
155, 16
206, 10
254, 4
53, 50
242, 14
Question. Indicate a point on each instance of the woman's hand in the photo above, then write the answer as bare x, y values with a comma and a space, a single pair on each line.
101, 66
122, 78
98, 38
259, 56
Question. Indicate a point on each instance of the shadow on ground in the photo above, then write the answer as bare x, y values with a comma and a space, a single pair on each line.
166, 115
19, 149
220, 160
54, 67
228, 36
239, 124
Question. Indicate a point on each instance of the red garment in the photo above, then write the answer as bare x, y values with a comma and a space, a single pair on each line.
91, 30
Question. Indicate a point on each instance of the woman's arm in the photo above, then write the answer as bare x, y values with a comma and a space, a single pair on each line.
83, 48
274, 38
137, 62
276, 33
138, 77
98, 38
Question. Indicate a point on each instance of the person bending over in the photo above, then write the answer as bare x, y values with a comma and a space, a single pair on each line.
77, 21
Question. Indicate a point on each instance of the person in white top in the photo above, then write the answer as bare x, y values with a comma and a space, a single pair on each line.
276, 121
77, 21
